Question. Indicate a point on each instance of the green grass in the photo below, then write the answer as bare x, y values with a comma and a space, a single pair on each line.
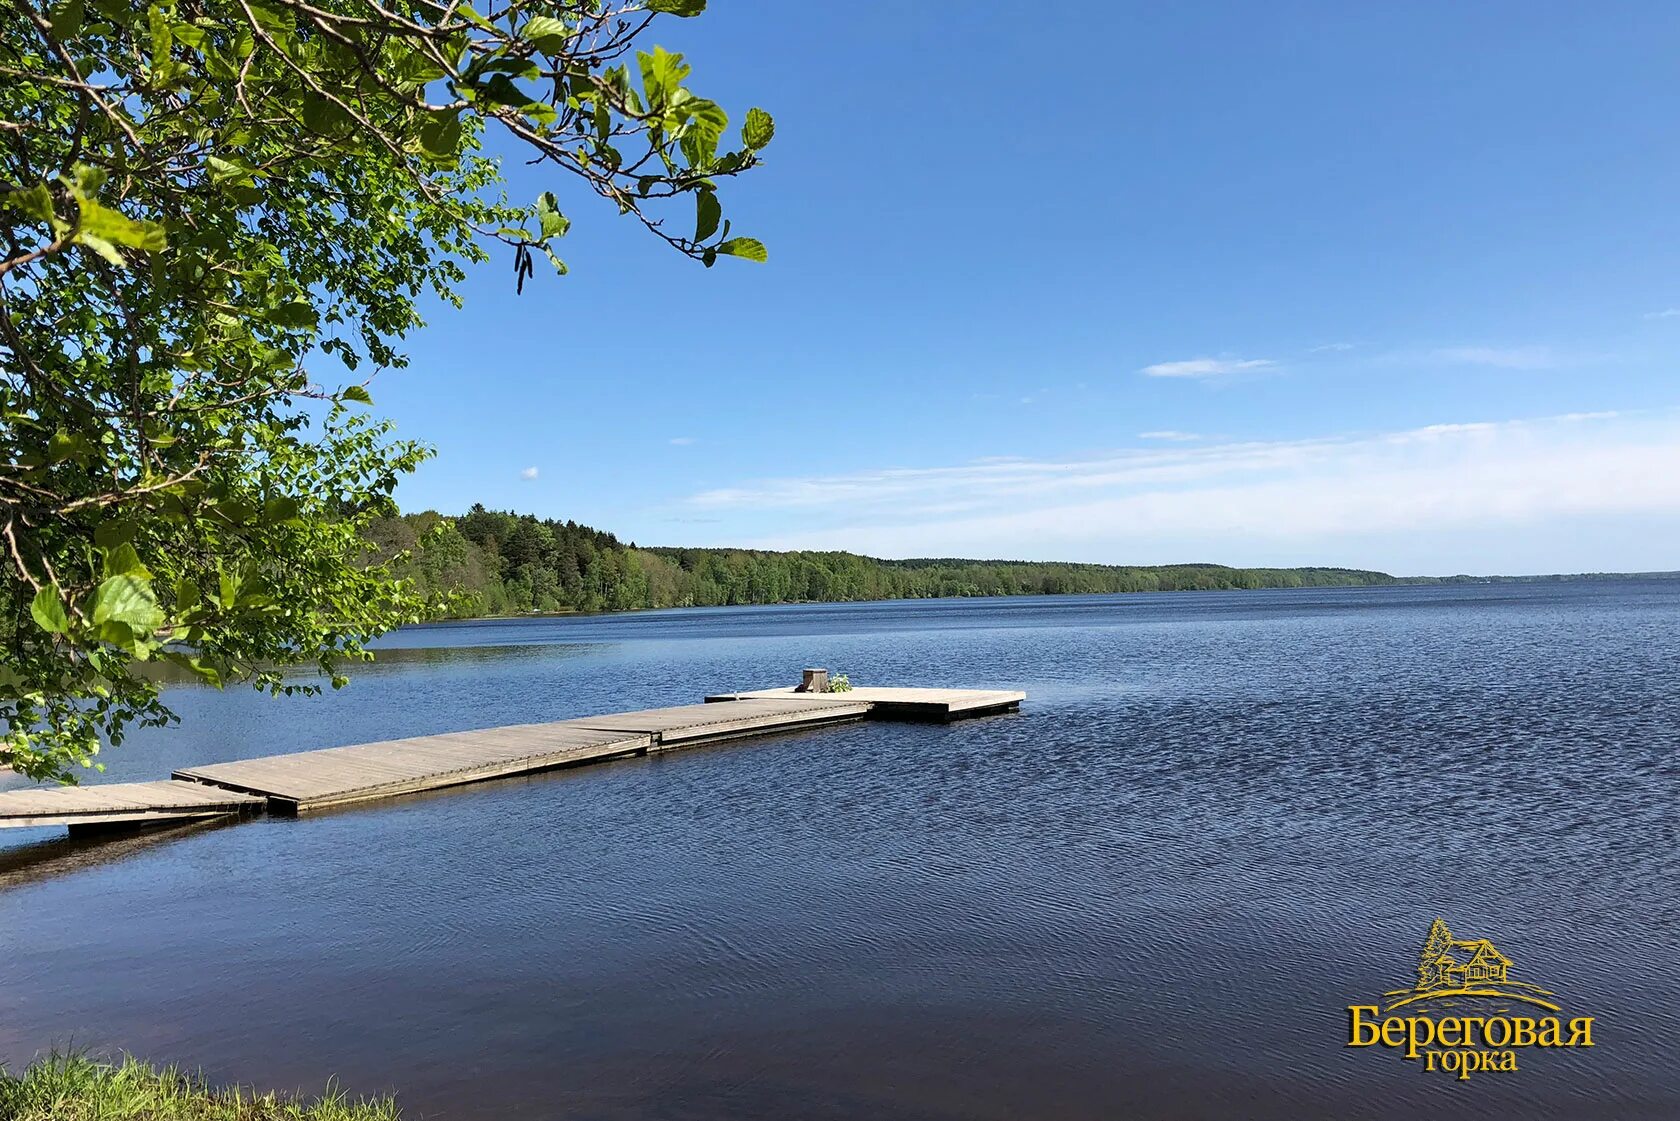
77, 1088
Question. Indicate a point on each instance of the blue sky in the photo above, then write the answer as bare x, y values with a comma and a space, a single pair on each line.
1392, 287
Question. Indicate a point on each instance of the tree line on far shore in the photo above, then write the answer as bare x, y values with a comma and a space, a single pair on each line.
489, 562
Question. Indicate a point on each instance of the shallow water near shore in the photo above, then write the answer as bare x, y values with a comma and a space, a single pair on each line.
1219, 820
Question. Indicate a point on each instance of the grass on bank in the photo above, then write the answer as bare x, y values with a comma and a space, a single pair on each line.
77, 1088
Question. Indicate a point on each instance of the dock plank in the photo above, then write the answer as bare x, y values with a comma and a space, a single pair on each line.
899, 702
128, 802
693, 724
335, 776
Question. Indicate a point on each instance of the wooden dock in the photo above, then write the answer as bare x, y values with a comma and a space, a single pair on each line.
887, 703
336, 776
688, 724
86, 808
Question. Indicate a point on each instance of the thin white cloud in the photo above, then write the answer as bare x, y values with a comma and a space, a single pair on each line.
1499, 357
1170, 435
1206, 367
681, 441
1328, 348
529, 474
1665, 313
1234, 501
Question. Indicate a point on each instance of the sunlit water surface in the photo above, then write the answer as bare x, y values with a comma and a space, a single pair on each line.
1219, 820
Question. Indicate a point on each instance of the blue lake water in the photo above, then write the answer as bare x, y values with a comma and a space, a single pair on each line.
1218, 820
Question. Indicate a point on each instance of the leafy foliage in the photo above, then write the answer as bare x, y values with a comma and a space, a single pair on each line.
202, 201
503, 563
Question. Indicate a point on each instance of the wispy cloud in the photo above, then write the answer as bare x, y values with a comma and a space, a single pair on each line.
1499, 357
1206, 367
682, 441
529, 474
1171, 435
1233, 500
1329, 348
1665, 313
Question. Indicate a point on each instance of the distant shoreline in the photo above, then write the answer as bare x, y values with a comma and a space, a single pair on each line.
1389, 582
498, 564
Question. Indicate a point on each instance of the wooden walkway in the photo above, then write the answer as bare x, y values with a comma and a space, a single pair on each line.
689, 724
124, 803
886, 703
338, 775
313, 779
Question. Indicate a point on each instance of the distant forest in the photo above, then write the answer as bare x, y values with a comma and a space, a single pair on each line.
487, 562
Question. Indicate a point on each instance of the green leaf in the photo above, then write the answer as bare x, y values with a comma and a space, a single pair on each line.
102, 247
108, 535
684, 8
468, 11
757, 129
280, 510
501, 91
748, 247
36, 202
356, 393
117, 228
186, 595
68, 445
546, 33
67, 19
707, 214
87, 180
127, 599
554, 223
276, 21
514, 67
325, 117
295, 313
702, 124
226, 171
158, 17
228, 592
662, 75
440, 134
122, 560
205, 671
47, 609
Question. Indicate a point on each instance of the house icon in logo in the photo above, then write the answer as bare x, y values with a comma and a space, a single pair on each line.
1455, 963
1452, 967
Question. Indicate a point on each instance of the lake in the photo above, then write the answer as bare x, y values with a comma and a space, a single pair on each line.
1218, 820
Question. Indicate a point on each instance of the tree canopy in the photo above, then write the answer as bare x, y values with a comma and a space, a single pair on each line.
218, 218
488, 562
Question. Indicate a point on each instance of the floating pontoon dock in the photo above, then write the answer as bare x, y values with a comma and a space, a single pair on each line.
334, 776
